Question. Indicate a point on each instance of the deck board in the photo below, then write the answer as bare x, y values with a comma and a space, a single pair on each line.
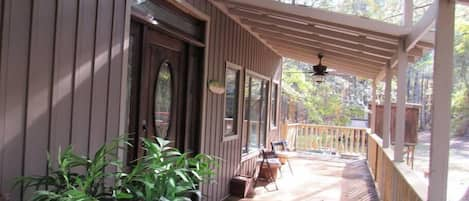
320, 178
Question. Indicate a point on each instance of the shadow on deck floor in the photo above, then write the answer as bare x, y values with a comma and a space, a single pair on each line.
319, 179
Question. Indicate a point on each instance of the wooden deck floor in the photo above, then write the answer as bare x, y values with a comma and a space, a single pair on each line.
319, 179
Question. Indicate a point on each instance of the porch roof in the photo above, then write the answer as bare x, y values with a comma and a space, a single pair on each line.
350, 44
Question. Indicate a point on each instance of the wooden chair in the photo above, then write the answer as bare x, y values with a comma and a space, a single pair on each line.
280, 148
270, 160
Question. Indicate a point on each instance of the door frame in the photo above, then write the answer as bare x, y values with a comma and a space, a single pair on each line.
124, 106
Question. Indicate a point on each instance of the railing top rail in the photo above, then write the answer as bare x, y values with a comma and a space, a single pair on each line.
326, 126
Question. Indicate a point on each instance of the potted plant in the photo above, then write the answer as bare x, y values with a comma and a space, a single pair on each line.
164, 173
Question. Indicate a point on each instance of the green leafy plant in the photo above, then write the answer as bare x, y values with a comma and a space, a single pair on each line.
75, 177
164, 173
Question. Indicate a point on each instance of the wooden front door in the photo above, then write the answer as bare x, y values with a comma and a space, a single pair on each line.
163, 87
162, 77
165, 76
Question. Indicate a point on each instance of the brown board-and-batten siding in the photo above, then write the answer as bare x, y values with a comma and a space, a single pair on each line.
228, 41
61, 67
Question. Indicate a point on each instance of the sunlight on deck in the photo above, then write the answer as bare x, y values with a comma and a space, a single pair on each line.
320, 178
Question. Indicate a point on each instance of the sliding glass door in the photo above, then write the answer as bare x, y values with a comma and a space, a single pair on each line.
255, 112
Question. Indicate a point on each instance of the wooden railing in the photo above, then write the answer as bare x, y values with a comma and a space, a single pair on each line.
393, 179
310, 137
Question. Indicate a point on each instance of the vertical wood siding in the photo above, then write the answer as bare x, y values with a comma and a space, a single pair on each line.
60, 81
228, 42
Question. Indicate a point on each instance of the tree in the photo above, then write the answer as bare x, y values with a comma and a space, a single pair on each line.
335, 101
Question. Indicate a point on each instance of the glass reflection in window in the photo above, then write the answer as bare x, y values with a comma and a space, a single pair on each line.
231, 101
256, 91
273, 118
163, 96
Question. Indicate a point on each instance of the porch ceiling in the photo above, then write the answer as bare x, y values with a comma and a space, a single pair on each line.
350, 44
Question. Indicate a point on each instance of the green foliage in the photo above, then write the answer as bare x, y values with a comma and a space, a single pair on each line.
163, 173
460, 110
460, 101
76, 177
334, 102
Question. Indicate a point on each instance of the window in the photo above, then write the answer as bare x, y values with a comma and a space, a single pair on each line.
163, 100
255, 112
232, 88
274, 103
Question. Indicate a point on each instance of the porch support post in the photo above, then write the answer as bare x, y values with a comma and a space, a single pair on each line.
400, 104
441, 107
408, 13
387, 108
373, 107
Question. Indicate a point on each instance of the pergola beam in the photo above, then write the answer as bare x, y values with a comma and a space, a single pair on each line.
421, 28
331, 65
279, 36
317, 29
328, 59
425, 45
464, 2
336, 61
393, 63
336, 56
255, 20
223, 8
274, 26
388, 32
342, 69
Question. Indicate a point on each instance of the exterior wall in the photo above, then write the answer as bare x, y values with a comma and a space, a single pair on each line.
228, 42
60, 80
61, 73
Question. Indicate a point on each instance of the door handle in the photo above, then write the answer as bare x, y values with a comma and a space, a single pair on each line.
144, 126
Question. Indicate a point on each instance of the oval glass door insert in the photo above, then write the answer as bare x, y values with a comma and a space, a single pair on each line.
163, 99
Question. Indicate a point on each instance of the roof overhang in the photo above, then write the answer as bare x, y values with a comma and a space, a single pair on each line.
464, 2
351, 44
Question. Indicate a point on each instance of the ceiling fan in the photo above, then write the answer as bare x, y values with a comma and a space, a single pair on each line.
319, 71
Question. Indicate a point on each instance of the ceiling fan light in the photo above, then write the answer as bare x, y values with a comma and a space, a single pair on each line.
319, 78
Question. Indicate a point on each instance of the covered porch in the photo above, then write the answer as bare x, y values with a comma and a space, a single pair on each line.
206, 74
375, 50
319, 177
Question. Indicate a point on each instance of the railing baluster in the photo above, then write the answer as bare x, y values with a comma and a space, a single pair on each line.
317, 137
364, 136
305, 137
348, 140
359, 137
336, 140
302, 129
357, 141
339, 140
331, 136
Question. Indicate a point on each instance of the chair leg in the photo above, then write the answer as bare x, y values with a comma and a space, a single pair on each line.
289, 166
272, 175
280, 170
256, 173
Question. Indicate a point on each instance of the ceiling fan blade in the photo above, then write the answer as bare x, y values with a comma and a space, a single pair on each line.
300, 72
